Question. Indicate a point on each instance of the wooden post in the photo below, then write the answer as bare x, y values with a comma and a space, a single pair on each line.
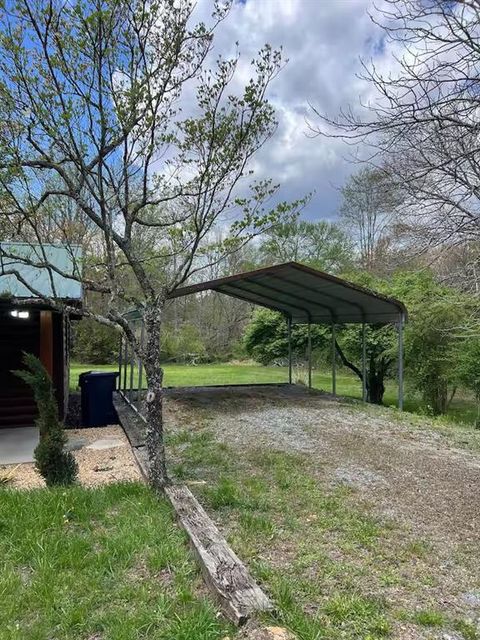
46, 341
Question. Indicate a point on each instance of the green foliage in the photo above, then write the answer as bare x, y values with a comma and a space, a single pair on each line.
468, 369
380, 347
266, 337
183, 345
431, 350
434, 336
94, 343
57, 466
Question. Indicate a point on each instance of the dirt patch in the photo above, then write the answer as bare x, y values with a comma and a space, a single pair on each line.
96, 466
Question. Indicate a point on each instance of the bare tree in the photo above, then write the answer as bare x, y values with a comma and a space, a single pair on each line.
91, 99
367, 211
425, 119
320, 244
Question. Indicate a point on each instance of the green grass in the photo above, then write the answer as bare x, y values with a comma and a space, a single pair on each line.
280, 521
462, 408
103, 563
333, 568
429, 618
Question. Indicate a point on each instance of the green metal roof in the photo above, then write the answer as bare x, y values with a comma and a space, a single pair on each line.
47, 274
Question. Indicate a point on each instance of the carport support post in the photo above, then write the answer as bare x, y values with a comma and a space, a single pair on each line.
140, 367
309, 355
289, 331
400, 361
364, 364
334, 368
125, 365
132, 369
120, 356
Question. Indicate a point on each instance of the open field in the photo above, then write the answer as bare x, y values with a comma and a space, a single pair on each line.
359, 521
98, 564
462, 408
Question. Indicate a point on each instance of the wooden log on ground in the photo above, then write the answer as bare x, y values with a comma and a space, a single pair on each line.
225, 574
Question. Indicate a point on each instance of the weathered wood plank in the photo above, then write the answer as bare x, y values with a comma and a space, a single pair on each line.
222, 570
224, 573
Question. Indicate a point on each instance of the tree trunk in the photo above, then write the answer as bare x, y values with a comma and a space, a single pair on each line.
375, 388
375, 380
154, 398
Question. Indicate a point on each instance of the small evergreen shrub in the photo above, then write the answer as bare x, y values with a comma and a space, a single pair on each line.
57, 466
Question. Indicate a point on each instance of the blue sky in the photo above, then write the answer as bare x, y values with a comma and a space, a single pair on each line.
324, 41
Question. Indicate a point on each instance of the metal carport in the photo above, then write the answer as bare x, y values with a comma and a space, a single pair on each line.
308, 296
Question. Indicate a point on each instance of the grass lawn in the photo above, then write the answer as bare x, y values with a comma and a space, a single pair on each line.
103, 563
462, 408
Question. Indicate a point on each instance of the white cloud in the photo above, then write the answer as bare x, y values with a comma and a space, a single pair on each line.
324, 41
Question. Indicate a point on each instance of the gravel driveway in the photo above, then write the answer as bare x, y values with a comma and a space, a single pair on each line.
409, 471
420, 477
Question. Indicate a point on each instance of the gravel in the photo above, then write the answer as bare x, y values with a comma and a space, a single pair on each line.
113, 461
408, 471
415, 473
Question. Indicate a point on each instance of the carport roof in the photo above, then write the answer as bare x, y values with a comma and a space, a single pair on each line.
305, 295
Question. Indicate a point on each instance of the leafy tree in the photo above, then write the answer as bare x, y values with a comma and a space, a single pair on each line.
57, 466
94, 342
380, 352
439, 316
468, 369
432, 351
321, 245
92, 117
266, 337
184, 344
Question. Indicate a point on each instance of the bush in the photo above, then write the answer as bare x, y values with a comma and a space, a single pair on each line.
468, 369
94, 343
57, 466
266, 337
183, 345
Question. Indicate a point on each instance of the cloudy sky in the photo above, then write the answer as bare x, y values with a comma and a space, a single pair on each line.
324, 41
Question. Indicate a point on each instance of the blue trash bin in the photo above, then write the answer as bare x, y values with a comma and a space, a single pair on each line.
97, 388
